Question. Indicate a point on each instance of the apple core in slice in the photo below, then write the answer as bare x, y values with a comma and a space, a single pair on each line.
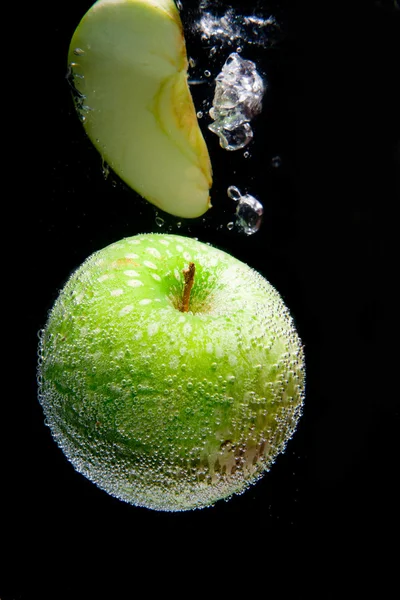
167, 407
128, 66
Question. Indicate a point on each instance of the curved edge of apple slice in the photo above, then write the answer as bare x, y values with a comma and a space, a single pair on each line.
140, 114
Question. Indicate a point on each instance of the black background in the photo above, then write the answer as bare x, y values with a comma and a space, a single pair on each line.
331, 115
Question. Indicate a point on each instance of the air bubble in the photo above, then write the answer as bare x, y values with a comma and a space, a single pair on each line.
234, 193
200, 114
160, 222
276, 162
79, 52
230, 225
207, 73
237, 99
249, 212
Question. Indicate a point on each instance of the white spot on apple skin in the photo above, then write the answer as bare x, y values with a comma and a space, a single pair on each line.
116, 292
209, 348
232, 359
187, 256
153, 329
174, 363
156, 277
182, 319
131, 274
179, 248
154, 252
134, 283
149, 264
138, 335
126, 310
219, 352
177, 275
164, 242
103, 278
131, 255
145, 301
134, 242
187, 329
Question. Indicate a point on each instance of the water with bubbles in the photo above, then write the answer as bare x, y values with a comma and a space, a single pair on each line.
239, 90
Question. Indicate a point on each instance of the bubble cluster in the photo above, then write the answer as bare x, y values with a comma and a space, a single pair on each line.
237, 100
163, 409
231, 27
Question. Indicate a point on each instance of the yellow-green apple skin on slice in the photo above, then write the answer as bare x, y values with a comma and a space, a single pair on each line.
128, 65
164, 408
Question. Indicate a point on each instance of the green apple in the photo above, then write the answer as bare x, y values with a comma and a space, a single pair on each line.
128, 65
170, 373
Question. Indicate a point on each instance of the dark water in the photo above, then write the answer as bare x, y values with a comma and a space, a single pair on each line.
324, 162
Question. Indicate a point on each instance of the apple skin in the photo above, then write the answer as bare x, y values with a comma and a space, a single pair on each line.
164, 409
128, 65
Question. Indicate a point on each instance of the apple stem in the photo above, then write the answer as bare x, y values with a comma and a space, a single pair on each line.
189, 280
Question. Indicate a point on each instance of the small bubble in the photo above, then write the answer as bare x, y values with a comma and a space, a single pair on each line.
79, 52
200, 114
234, 193
230, 225
249, 213
276, 162
179, 224
105, 169
246, 154
207, 73
159, 221
239, 49
214, 366
179, 4
192, 62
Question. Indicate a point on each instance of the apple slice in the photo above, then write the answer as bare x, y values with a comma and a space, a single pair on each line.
128, 65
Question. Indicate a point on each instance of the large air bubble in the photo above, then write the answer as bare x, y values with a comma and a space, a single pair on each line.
237, 100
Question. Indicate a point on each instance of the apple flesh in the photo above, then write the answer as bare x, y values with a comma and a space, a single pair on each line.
128, 65
161, 408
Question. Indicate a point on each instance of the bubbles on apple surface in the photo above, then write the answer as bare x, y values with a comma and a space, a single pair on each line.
170, 435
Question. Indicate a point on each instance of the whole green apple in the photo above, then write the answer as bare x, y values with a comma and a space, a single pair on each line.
170, 373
